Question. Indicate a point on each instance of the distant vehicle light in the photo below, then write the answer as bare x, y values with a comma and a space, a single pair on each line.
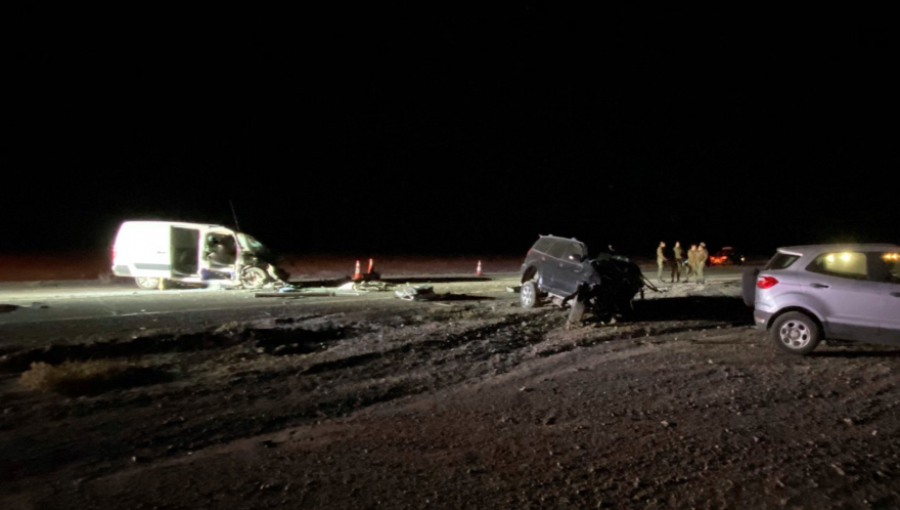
830, 258
845, 257
766, 282
891, 257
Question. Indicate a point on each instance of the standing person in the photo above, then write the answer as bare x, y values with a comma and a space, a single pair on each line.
660, 260
702, 255
691, 257
678, 258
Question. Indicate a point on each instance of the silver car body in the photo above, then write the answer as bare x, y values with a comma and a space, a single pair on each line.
859, 301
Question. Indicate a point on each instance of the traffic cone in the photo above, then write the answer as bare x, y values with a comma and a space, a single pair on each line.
371, 265
357, 275
478, 269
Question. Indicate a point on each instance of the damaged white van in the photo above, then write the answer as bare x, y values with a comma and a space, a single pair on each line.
155, 253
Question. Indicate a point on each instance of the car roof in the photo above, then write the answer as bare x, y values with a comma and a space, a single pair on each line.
816, 248
178, 224
569, 239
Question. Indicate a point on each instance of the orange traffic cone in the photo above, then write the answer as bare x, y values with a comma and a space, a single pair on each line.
356, 274
371, 265
478, 269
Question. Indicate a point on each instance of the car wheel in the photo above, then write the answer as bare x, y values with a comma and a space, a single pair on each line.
748, 286
529, 296
147, 282
253, 278
796, 333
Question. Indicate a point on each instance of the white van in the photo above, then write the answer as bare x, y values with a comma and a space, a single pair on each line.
157, 252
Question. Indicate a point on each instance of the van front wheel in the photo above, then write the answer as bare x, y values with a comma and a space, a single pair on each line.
253, 278
147, 282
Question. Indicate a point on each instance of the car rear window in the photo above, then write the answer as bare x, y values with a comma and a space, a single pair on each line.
781, 261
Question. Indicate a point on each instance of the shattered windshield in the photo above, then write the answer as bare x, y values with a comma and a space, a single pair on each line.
252, 245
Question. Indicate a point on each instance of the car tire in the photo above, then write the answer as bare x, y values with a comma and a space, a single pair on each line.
254, 278
748, 286
796, 333
529, 296
147, 283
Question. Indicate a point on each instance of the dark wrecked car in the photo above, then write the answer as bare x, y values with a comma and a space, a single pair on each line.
560, 269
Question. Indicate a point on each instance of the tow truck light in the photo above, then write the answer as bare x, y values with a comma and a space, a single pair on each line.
766, 282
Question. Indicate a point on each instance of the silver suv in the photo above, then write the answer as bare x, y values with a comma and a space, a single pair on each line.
838, 292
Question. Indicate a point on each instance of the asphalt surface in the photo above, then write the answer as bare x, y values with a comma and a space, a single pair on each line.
73, 312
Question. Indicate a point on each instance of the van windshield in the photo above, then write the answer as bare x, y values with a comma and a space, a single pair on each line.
250, 243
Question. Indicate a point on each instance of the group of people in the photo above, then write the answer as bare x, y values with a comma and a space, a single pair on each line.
694, 265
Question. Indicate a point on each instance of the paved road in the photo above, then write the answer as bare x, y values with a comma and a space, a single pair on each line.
84, 311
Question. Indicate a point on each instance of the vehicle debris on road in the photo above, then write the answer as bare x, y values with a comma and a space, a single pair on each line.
417, 293
352, 288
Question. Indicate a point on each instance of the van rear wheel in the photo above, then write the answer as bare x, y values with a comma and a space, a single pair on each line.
148, 283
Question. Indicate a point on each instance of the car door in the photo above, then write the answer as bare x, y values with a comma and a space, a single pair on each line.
570, 268
551, 268
888, 284
849, 303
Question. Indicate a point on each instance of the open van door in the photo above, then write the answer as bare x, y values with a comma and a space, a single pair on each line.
185, 251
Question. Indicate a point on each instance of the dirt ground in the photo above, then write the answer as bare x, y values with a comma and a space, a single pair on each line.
469, 403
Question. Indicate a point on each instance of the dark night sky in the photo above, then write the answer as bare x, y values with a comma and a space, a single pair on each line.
427, 135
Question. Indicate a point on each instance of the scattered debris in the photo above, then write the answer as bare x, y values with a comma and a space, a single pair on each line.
417, 293
366, 286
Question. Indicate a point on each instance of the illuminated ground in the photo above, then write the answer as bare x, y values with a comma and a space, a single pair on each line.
373, 402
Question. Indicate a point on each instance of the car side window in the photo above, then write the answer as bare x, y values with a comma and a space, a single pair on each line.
575, 250
892, 262
543, 245
850, 265
558, 249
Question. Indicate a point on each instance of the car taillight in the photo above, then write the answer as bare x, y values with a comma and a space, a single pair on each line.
766, 282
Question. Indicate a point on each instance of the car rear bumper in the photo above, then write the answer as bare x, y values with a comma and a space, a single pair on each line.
761, 319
